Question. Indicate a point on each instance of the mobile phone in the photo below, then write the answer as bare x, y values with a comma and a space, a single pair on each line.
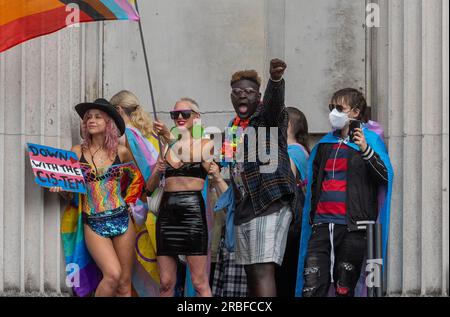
354, 124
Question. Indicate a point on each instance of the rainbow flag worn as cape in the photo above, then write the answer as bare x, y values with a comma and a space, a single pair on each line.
22, 20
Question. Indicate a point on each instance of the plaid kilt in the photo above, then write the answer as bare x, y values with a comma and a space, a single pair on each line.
230, 279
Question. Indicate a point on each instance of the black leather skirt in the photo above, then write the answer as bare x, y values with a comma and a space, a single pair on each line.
181, 227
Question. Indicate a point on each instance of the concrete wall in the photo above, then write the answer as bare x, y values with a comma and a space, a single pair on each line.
324, 45
194, 46
40, 82
410, 95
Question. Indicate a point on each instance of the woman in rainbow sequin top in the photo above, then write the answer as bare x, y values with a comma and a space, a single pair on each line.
113, 184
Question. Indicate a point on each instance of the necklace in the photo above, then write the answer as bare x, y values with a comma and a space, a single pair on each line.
96, 151
100, 160
235, 138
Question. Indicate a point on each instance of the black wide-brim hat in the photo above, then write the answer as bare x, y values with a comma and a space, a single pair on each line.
105, 106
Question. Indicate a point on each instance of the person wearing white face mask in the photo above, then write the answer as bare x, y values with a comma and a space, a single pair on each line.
341, 116
338, 118
347, 170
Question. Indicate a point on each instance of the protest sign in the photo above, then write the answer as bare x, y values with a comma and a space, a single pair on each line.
56, 168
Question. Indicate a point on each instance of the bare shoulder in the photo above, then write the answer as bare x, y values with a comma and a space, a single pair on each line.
77, 150
124, 154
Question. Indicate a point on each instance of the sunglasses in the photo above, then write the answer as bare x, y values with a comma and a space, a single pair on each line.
339, 108
185, 114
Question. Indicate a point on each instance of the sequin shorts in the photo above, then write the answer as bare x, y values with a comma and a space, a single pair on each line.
108, 224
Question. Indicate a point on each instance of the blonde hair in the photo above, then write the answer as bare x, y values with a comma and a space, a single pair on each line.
139, 118
194, 104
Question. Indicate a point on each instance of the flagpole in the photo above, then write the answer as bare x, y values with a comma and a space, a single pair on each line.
148, 70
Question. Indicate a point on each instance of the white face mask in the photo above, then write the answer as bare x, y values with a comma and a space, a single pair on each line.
338, 119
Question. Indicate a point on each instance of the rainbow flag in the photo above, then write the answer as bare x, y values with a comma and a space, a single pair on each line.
85, 275
21, 20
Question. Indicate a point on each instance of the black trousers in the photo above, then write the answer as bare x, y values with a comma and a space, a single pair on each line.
349, 252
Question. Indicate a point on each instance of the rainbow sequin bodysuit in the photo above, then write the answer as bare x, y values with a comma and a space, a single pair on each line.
109, 191
115, 187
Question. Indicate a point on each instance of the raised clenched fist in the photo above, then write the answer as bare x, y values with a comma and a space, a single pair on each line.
277, 68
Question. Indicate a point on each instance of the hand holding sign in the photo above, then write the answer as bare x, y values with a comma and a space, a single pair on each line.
57, 169
64, 194
55, 189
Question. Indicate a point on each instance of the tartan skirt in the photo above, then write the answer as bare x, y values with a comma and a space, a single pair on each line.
229, 279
